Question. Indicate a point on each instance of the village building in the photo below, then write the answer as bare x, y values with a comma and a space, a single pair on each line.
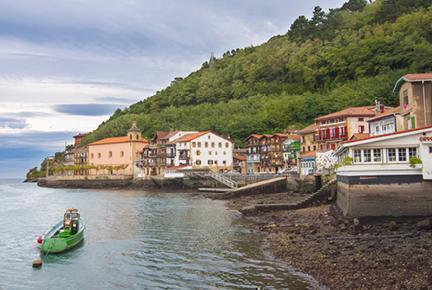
204, 150
80, 155
272, 159
119, 152
253, 147
160, 153
291, 149
386, 175
308, 147
385, 123
240, 160
340, 126
415, 98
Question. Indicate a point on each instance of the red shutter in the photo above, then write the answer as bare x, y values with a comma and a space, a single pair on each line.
327, 133
337, 132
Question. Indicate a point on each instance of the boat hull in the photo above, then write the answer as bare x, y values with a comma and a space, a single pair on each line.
54, 244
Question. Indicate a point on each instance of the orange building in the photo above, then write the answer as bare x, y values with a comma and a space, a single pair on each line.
116, 151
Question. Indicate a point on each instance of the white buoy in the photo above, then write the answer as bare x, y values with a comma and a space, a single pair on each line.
37, 263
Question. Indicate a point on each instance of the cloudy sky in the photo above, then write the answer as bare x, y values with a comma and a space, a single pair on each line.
65, 66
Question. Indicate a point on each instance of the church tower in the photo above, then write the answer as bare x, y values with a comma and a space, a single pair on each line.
134, 133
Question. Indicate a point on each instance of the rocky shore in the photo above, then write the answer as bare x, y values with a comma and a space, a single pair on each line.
385, 253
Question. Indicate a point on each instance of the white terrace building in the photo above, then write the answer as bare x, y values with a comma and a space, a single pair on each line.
385, 178
204, 150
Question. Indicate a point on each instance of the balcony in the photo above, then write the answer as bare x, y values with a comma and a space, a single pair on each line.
170, 154
335, 134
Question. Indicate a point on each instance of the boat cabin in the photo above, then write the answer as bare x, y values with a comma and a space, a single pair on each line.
71, 221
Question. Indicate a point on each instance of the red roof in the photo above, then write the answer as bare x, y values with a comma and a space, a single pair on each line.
418, 77
190, 137
307, 154
359, 136
111, 140
353, 111
309, 129
389, 134
294, 137
240, 157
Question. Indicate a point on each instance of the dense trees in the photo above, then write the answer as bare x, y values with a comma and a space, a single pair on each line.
347, 56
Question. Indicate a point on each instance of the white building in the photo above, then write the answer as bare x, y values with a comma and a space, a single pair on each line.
390, 175
386, 123
204, 150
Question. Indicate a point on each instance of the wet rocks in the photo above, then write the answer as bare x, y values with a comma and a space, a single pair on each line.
425, 224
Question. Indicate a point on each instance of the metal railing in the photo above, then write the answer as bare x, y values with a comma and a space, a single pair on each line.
223, 179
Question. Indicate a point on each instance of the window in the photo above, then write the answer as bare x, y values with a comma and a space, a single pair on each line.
220, 144
224, 153
412, 152
224, 162
110, 154
377, 155
215, 162
205, 144
199, 144
361, 119
361, 129
391, 154
210, 153
92, 156
212, 144
314, 148
430, 149
210, 162
99, 155
405, 100
309, 148
357, 156
402, 154
208, 137
367, 155
226, 145
198, 153
198, 162
193, 144
121, 153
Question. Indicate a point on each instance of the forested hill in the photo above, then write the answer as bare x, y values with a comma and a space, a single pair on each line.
344, 57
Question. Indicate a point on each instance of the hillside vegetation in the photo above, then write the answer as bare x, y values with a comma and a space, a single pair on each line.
344, 57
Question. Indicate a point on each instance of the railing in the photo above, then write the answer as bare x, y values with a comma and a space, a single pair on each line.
223, 179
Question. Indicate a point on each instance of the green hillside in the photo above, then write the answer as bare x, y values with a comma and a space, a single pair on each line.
344, 57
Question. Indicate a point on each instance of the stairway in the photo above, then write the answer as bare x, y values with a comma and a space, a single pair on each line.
222, 179
319, 195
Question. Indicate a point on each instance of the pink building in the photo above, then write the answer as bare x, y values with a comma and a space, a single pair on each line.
116, 152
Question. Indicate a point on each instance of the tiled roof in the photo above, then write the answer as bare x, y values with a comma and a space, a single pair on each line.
353, 111
418, 77
190, 137
294, 137
389, 112
257, 136
308, 154
412, 78
309, 129
359, 136
239, 157
111, 140
386, 135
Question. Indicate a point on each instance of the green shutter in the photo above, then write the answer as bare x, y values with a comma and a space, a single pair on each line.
413, 122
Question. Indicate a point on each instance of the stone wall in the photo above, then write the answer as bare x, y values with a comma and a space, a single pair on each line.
275, 185
364, 196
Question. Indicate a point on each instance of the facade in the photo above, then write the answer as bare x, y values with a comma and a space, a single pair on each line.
240, 160
308, 148
386, 123
253, 147
272, 159
340, 126
307, 163
160, 153
415, 98
291, 149
80, 154
204, 150
117, 151
390, 175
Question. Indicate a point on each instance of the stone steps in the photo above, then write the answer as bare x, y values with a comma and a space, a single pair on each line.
290, 206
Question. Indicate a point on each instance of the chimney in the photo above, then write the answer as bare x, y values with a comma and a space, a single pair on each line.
377, 106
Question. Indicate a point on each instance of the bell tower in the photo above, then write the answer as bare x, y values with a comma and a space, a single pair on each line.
134, 133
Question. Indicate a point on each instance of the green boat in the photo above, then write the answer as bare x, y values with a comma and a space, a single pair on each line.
65, 235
